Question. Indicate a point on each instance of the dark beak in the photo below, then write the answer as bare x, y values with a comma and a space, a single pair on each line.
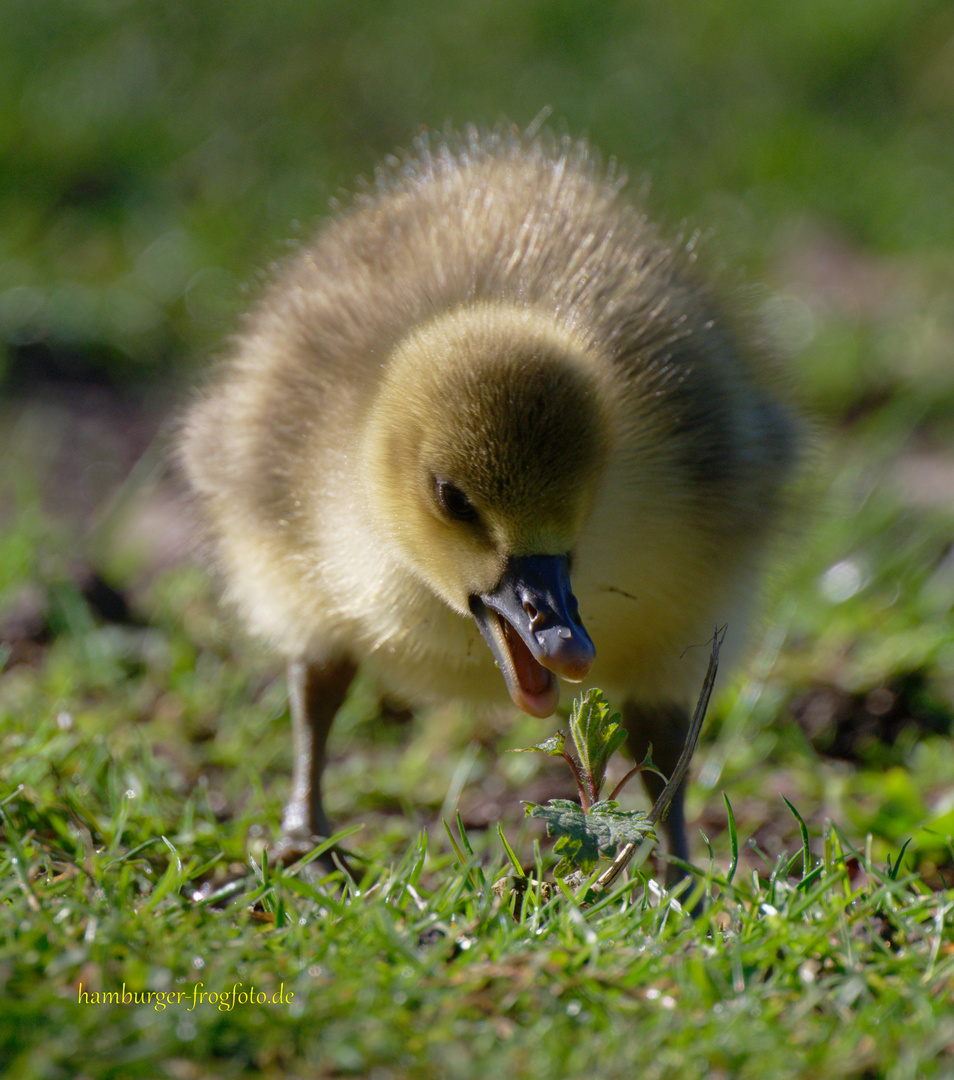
531, 622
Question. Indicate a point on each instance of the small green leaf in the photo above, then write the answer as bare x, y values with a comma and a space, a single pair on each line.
554, 746
584, 837
597, 735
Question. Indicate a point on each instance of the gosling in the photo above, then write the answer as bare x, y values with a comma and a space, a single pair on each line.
485, 433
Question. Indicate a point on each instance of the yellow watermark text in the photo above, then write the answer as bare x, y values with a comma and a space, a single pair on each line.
192, 998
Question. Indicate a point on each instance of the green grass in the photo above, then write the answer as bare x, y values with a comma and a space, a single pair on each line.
827, 965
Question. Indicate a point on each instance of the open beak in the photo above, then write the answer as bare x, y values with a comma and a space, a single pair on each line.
531, 622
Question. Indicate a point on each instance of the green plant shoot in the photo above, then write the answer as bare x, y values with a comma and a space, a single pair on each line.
589, 829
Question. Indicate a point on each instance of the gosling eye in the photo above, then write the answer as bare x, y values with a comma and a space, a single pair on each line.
453, 501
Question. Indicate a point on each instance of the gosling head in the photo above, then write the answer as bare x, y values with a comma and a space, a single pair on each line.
484, 448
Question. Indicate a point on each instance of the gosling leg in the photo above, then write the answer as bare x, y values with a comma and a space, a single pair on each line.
316, 693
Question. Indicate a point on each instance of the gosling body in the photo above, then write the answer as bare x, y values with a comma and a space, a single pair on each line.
485, 434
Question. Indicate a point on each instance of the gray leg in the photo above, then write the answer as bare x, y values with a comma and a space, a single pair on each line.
316, 692
665, 726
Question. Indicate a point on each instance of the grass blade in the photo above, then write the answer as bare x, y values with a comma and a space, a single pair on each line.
511, 854
803, 829
733, 841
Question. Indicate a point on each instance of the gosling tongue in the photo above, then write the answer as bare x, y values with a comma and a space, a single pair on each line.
531, 622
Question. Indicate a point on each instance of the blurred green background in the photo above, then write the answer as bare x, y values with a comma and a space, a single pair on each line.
156, 158
155, 155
